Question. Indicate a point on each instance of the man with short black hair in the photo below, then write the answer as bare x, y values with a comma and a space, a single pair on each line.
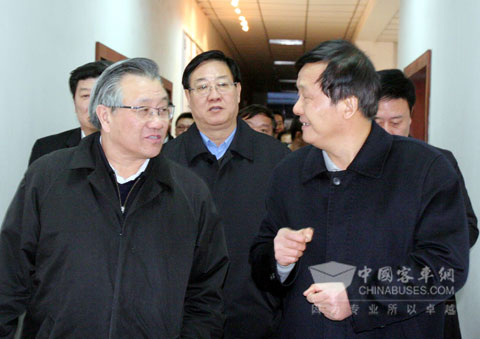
395, 109
236, 163
110, 239
183, 122
363, 229
259, 118
81, 81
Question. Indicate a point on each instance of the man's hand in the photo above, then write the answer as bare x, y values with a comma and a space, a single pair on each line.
289, 245
331, 299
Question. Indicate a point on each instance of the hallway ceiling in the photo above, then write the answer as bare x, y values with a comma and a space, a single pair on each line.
312, 21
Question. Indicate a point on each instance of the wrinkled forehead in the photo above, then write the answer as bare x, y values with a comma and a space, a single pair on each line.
143, 89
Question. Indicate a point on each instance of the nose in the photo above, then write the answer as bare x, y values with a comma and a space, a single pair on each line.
297, 108
213, 93
157, 122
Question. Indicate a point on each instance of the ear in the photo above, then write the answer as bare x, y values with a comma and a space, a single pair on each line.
103, 114
239, 91
350, 107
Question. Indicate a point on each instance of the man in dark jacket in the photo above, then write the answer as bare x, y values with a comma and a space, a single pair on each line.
395, 109
365, 232
81, 82
110, 239
236, 163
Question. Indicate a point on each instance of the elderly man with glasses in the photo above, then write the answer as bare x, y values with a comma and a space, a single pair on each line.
110, 239
236, 163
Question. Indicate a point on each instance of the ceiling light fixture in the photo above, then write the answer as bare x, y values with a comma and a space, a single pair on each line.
283, 63
286, 42
245, 28
241, 18
234, 3
238, 11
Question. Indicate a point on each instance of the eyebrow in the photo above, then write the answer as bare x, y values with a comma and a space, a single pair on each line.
205, 79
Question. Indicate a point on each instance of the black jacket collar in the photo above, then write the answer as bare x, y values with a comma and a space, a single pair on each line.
242, 143
88, 155
368, 162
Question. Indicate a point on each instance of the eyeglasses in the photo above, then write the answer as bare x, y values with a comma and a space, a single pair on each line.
221, 87
147, 113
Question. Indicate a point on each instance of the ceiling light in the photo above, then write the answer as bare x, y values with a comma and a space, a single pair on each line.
288, 81
241, 18
283, 63
234, 3
245, 28
244, 23
287, 42
238, 11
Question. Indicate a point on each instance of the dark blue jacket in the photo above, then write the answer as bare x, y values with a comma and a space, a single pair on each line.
238, 184
398, 204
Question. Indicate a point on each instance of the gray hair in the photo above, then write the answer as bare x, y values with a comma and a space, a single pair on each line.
107, 90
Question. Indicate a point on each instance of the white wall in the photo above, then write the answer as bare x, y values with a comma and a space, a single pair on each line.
451, 29
42, 41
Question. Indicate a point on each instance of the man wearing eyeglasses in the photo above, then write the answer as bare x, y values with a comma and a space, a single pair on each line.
235, 162
110, 239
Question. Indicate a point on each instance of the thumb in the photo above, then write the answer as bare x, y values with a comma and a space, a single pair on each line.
308, 234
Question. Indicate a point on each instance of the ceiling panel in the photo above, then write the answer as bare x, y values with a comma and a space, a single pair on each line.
311, 20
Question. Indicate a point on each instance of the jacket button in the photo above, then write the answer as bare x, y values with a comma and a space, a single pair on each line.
272, 276
337, 181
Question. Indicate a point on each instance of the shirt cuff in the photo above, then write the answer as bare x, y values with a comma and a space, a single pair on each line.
284, 271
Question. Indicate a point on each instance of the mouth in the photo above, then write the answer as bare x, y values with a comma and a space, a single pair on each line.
154, 138
215, 108
305, 124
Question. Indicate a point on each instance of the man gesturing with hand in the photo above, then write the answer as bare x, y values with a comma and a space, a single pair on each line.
376, 202
330, 298
290, 245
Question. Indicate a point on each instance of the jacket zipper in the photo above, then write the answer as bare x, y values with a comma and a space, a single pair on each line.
118, 273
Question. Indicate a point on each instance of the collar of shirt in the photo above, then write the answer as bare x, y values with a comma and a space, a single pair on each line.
122, 180
331, 167
218, 151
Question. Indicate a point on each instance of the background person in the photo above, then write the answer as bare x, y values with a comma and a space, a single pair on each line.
183, 122
260, 118
81, 81
395, 109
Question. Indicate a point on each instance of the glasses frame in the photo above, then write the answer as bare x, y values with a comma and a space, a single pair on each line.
195, 90
170, 107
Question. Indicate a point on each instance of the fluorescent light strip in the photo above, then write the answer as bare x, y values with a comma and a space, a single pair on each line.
288, 81
283, 63
286, 42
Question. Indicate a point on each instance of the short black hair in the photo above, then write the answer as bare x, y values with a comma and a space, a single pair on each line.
256, 109
349, 72
395, 85
207, 56
184, 115
89, 70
